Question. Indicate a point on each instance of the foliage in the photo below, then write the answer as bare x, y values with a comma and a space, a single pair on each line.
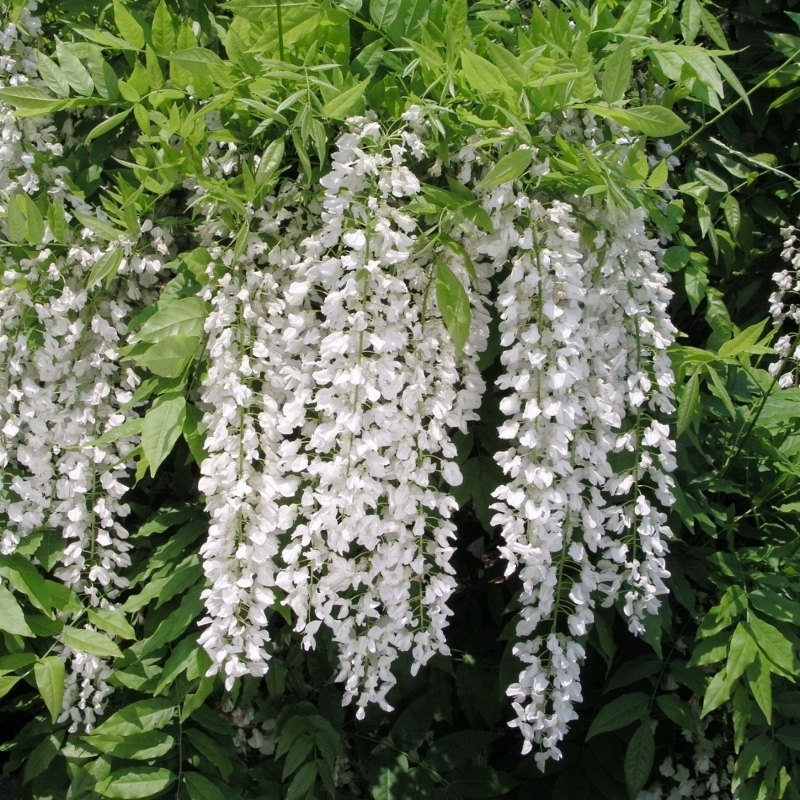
178, 114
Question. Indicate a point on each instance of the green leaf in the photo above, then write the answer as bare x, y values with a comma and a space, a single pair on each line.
508, 168
713, 28
98, 227
297, 755
269, 163
49, 673
714, 182
15, 219
107, 125
619, 713
690, 20
76, 74
52, 75
196, 60
105, 268
617, 74
112, 622
659, 175
211, 751
457, 17
718, 691
759, 681
730, 76
650, 120
135, 783
384, 12
199, 787
25, 578
742, 652
776, 606
453, 302
341, 105
775, 646
744, 342
458, 748
638, 762
140, 717
733, 214
31, 100
131, 427
482, 75
93, 642
161, 428
635, 19
481, 782
688, 404
679, 711
170, 357
184, 317
790, 736
42, 756
413, 724
7, 683
134, 746
177, 622
12, 620
722, 390
163, 30
34, 224
302, 782
194, 433
130, 30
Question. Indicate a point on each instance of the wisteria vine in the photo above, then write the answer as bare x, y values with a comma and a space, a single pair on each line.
331, 391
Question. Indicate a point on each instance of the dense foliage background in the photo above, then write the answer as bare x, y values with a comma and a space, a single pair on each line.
705, 703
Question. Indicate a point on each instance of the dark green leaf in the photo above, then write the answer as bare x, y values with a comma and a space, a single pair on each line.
679, 711
302, 782
201, 788
211, 751
639, 760
413, 724
49, 673
619, 713
162, 427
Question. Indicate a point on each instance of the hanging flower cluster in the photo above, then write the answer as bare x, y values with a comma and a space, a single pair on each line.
62, 383
584, 329
331, 391
784, 306
346, 443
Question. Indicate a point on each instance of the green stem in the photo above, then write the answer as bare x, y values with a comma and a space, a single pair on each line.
736, 102
280, 30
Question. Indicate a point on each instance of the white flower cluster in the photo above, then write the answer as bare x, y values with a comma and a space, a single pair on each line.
584, 330
705, 775
85, 689
785, 305
61, 383
326, 483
